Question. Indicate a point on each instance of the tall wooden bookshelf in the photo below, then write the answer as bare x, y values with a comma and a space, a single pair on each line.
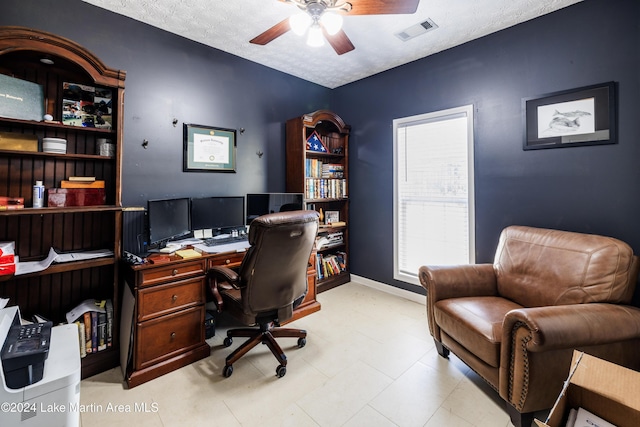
326, 192
56, 290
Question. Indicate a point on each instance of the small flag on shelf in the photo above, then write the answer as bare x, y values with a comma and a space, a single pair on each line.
314, 143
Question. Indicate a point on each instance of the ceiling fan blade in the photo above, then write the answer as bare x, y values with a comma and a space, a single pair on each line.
382, 7
339, 42
272, 33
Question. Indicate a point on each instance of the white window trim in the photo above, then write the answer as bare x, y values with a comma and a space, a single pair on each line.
466, 110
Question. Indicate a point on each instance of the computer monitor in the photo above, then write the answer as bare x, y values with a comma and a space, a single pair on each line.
217, 213
263, 203
168, 220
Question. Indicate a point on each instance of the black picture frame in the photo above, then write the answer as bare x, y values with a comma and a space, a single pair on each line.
571, 118
208, 149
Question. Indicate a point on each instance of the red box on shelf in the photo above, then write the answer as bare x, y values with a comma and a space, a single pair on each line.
64, 197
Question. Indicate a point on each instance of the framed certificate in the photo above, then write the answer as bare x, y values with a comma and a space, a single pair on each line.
209, 149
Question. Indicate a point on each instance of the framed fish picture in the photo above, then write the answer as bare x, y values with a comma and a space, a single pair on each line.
571, 118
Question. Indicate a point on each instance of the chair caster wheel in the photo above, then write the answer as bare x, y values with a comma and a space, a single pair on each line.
281, 371
228, 341
227, 371
302, 342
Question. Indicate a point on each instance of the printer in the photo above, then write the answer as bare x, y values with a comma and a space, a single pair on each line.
40, 373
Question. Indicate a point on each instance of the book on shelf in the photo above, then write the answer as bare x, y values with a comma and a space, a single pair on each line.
330, 265
109, 310
81, 338
325, 239
94, 331
82, 178
11, 203
102, 331
87, 332
94, 319
316, 168
336, 224
82, 184
332, 170
325, 188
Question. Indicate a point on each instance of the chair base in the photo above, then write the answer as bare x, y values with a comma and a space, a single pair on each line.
265, 335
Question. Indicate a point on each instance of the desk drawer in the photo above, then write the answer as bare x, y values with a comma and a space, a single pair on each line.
168, 336
172, 272
231, 260
163, 299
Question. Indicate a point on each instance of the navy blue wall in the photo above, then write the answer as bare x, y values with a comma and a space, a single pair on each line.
587, 189
171, 77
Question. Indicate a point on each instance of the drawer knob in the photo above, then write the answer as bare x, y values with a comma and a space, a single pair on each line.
174, 298
228, 261
174, 272
173, 335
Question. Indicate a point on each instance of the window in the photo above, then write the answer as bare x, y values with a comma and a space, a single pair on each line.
433, 191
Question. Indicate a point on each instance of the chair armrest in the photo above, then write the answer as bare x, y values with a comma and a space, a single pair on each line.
570, 326
220, 277
442, 282
225, 274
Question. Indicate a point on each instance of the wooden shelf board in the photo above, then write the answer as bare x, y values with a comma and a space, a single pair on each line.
70, 209
56, 155
55, 126
333, 281
64, 267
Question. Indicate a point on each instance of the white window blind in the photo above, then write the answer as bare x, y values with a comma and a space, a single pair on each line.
433, 191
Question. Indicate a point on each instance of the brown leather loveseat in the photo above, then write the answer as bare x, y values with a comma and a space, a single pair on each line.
517, 321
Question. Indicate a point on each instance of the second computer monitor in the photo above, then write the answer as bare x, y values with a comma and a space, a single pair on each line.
217, 213
263, 203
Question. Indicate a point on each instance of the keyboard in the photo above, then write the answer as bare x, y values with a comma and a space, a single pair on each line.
224, 240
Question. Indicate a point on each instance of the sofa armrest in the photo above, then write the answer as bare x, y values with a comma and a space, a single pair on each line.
442, 282
538, 342
570, 326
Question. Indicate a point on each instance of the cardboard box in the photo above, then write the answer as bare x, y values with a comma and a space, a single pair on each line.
7, 258
7, 269
20, 99
18, 142
64, 197
603, 388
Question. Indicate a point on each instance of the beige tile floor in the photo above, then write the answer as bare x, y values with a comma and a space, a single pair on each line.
369, 361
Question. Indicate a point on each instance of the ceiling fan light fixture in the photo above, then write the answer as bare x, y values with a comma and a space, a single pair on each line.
315, 38
300, 22
332, 22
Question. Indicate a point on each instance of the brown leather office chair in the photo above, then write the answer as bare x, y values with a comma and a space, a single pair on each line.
516, 322
270, 282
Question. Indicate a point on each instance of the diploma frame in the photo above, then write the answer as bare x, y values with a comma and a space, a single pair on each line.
209, 149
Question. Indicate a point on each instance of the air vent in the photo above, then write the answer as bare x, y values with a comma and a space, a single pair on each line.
416, 30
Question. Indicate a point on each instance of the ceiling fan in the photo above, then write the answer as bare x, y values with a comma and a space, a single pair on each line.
322, 19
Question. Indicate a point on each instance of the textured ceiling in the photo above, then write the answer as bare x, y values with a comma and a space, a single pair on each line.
228, 25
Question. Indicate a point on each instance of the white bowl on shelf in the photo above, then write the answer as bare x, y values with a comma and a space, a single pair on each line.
54, 145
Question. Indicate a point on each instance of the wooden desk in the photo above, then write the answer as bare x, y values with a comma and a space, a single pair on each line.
168, 312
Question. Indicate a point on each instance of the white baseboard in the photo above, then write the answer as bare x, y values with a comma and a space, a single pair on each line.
411, 296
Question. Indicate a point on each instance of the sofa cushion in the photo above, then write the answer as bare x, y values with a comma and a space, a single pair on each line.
540, 267
475, 323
